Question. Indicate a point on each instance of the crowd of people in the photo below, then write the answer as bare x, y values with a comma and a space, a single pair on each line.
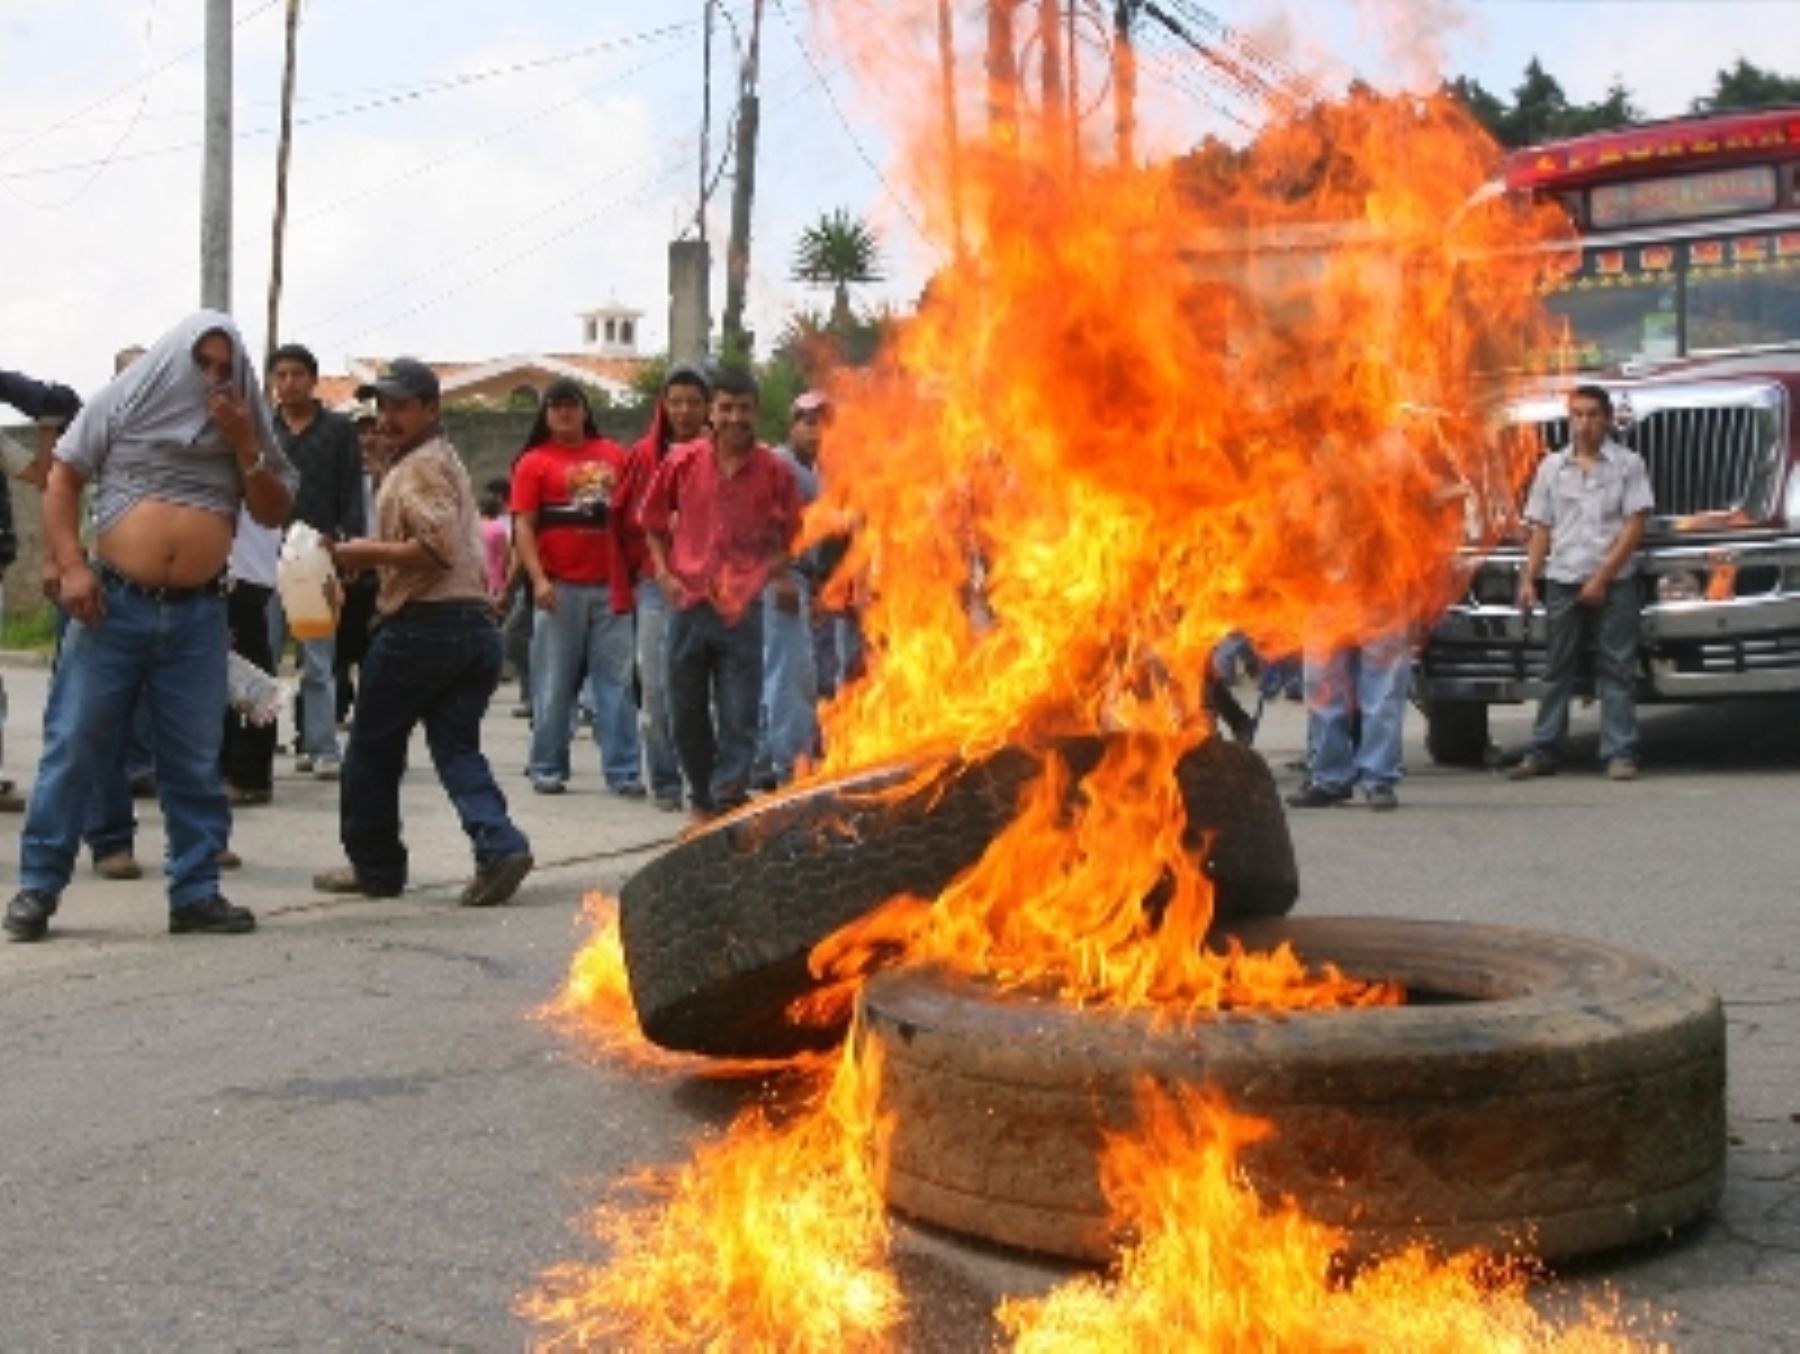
651, 590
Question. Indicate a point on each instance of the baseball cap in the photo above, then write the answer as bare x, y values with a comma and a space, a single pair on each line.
405, 378
810, 402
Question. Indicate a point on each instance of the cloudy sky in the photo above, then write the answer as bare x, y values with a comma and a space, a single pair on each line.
469, 175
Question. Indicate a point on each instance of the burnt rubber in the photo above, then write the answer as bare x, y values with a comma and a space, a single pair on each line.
717, 931
1555, 1095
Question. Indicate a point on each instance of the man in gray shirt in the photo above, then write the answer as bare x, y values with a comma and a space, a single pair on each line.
174, 446
1586, 510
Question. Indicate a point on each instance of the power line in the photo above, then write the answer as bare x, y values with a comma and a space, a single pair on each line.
129, 85
681, 165
402, 95
844, 122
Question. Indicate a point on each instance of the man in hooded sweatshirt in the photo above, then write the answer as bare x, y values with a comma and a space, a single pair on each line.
174, 446
680, 417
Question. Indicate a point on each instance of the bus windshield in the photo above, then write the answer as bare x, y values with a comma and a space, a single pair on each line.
1664, 301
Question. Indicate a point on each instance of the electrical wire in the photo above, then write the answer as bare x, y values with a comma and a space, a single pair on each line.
402, 96
129, 85
844, 122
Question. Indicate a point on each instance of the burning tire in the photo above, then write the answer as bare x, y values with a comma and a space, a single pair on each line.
717, 931
1539, 1093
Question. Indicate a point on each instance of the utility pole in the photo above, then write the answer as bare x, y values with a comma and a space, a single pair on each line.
1050, 63
734, 338
705, 121
283, 150
1124, 60
1074, 20
1002, 72
952, 138
215, 177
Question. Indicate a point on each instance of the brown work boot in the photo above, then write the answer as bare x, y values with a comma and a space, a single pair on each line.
343, 880
118, 865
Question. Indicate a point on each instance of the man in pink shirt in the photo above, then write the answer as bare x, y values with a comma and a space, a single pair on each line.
719, 518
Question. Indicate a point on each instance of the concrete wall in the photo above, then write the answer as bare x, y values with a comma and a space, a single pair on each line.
487, 439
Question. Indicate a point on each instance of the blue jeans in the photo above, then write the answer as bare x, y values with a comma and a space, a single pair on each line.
790, 689
583, 631
715, 669
1373, 679
172, 654
436, 662
657, 727
1612, 629
110, 824
318, 685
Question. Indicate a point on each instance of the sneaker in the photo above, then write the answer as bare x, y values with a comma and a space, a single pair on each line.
213, 916
143, 785
11, 801
118, 865
497, 881
1382, 798
1313, 795
631, 789
28, 914
344, 880
303, 764
242, 797
669, 803
1621, 769
227, 859
1529, 766
521, 711
327, 768
548, 787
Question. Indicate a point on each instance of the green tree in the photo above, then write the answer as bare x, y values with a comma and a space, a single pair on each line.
1489, 109
838, 251
1748, 86
1539, 109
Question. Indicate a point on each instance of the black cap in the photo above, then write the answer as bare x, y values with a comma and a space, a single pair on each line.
405, 378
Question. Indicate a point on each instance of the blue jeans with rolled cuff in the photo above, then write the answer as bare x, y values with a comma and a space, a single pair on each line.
435, 663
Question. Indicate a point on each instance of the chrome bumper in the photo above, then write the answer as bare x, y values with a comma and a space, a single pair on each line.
1744, 643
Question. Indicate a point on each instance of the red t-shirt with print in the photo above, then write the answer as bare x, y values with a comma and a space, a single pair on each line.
567, 493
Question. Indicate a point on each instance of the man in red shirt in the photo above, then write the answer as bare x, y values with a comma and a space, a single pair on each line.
562, 490
718, 520
680, 417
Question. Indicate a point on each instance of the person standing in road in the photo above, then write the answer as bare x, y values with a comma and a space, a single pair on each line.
51, 406
680, 418
718, 520
562, 492
358, 613
174, 446
1356, 715
1587, 510
435, 658
323, 447
790, 697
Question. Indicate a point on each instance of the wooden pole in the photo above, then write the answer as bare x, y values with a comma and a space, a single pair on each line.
283, 151
1124, 59
1002, 71
952, 137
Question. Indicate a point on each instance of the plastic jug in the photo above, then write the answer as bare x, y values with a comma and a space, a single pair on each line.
307, 581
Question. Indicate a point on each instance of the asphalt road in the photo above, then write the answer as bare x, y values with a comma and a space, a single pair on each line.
348, 1131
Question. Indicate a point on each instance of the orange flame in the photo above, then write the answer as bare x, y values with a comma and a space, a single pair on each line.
1215, 1269
773, 1237
594, 1007
1057, 903
1160, 402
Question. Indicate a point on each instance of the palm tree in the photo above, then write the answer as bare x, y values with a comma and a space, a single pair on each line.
836, 251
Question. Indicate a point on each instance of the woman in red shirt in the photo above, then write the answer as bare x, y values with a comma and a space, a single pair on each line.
562, 489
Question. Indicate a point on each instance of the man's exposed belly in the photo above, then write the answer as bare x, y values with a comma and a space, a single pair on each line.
167, 545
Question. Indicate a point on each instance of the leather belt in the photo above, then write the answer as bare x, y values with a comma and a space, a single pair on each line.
213, 587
